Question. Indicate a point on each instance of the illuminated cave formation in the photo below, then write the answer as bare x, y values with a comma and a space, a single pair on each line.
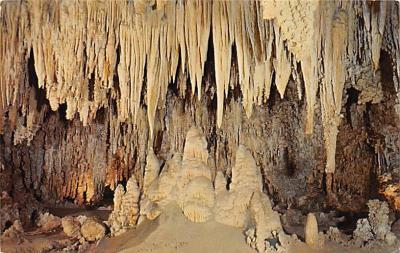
95, 94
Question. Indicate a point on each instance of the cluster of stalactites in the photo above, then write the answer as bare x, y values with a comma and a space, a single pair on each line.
324, 37
87, 53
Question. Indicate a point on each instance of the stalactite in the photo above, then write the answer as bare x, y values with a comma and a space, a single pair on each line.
80, 48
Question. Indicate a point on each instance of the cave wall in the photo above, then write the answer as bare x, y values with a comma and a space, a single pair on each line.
88, 87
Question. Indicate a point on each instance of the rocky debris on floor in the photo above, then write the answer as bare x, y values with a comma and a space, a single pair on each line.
23, 209
370, 231
378, 218
78, 234
251, 237
293, 221
71, 226
48, 222
15, 231
93, 229
335, 235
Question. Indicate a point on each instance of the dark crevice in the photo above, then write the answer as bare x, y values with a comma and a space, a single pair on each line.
34, 215
7, 225
352, 99
349, 224
123, 182
386, 68
84, 60
91, 83
273, 98
115, 76
85, 196
62, 114
40, 94
210, 96
234, 91
69, 200
173, 89
158, 138
143, 93
108, 195
101, 115
188, 94
367, 116
288, 163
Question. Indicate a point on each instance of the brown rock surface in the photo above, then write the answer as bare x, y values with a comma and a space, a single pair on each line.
93, 229
71, 226
48, 222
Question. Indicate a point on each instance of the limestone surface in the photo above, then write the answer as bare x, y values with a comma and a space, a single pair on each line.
126, 207
93, 229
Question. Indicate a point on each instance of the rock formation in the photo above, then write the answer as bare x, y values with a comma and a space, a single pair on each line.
232, 206
151, 171
126, 207
190, 184
196, 190
48, 222
312, 237
378, 218
15, 231
93, 229
371, 231
71, 226
238, 111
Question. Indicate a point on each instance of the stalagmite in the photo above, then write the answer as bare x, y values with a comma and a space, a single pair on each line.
129, 204
378, 217
198, 199
194, 183
114, 219
164, 190
311, 231
376, 228
152, 170
126, 207
232, 206
267, 221
220, 183
187, 181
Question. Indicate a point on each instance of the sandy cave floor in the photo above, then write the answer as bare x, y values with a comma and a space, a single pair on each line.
173, 233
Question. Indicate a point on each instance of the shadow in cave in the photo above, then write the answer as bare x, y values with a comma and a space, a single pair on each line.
349, 224
108, 196
40, 93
